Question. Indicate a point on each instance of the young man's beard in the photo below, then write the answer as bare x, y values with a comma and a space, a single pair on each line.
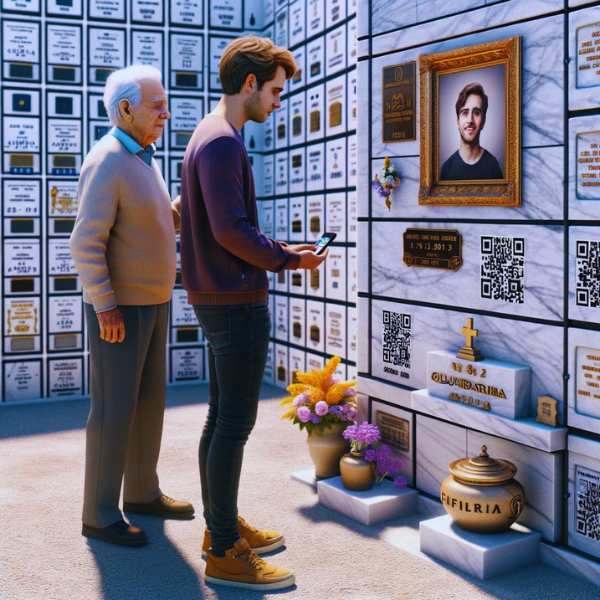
254, 108
473, 142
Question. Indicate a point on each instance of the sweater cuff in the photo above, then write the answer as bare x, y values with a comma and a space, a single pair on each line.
293, 260
104, 302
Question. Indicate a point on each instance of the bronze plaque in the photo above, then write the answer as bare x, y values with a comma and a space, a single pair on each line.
433, 248
394, 430
398, 118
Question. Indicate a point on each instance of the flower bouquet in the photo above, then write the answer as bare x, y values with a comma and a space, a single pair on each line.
320, 399
385, 181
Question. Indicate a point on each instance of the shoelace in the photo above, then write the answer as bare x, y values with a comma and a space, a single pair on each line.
251, 558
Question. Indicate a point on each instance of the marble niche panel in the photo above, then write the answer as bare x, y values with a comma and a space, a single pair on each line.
412, 331
584, 379
584, 277
438, 445
397, 430
541, 475
584, 498
584, 168
542, 73
522, 283
384, 19
584, 58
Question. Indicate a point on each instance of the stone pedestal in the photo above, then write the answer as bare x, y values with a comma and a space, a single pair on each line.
381, 503
482, 555
306, 477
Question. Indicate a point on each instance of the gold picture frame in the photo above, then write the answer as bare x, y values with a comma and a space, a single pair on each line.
484, 192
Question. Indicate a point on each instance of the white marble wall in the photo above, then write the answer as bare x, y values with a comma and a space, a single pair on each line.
543, 268
520, 342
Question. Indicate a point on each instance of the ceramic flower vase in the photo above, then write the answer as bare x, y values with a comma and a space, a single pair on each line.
327, 448
357, 473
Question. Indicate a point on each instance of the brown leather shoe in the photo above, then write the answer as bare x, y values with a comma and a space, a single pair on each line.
118, 533
163, 506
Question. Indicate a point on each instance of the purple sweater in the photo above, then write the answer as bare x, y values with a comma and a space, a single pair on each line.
224, 256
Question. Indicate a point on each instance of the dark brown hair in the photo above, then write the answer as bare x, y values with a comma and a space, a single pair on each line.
472, 88
252, 55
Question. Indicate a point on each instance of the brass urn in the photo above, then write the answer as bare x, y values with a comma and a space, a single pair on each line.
357, 473
481, 494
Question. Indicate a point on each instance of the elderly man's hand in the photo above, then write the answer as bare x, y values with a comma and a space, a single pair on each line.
112, 327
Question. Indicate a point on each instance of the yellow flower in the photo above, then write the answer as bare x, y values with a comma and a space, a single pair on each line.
336, 392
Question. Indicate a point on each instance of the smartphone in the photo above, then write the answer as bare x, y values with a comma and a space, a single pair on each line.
325, 240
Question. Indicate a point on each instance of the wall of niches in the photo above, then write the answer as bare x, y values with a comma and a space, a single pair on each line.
547, 318
305, 167
56, 56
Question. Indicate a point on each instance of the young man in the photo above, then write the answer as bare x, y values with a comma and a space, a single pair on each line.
223, 261
471, 161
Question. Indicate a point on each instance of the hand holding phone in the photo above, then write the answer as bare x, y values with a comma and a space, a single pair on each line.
325, 240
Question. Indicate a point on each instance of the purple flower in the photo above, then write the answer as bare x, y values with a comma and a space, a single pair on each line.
352, 415
321, 408
315, 418
334, 410
334, 380
349, 393
363, 434
303, 413
300, 399
370, 454
400, 483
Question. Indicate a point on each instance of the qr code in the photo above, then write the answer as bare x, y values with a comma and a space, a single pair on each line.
503, 268
588, 274
396, 338
588, 506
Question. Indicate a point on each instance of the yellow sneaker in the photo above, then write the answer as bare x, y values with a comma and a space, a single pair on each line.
243, 568
261, 541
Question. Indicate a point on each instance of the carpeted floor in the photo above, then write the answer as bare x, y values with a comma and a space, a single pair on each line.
43, 555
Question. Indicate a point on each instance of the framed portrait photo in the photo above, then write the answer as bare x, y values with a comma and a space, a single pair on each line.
470, 130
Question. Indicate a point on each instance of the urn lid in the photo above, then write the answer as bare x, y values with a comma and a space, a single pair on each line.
483, 470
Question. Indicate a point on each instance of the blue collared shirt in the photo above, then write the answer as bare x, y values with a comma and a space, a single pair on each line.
145, 154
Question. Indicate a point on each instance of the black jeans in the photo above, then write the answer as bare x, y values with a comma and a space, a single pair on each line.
238, 337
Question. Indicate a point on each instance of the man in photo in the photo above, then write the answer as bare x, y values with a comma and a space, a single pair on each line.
123, 246
224, 259
471, 161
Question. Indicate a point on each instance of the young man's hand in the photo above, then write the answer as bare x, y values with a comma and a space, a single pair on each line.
301, 247
112, 327
309, 260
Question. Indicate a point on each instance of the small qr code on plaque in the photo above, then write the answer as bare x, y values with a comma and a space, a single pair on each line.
396, 338
503, 269
588, 274
587, 509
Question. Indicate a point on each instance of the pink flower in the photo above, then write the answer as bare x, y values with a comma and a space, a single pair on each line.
303, 413
300, 400
321, 408
334, 380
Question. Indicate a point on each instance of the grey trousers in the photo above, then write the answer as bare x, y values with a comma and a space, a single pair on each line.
124, 429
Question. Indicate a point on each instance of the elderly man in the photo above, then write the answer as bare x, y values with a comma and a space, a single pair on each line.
123, 245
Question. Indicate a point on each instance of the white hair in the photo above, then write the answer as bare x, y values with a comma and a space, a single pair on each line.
124, 84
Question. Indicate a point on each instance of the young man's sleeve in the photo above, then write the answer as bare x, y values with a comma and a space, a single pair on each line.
220, 172
98, 203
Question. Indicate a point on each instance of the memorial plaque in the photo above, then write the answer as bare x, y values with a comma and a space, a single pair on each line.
588, 165
186, 113
266, 217
395, 432
352, 41
187, 12
106, 53
315, 60
21, 6
315, 167
281, 318
60, 261
398, 85
281, 28
335, 319
315, 325
281, 366
281, 220
336, 215
315, 17
187, 61
335, 12
21, 134
21, 50
335, 91
216, 47
297, 170
65, 8
297, 210
298, 80
182, 313
433, 248
297, 321
22, 316
297, 360
336, 273
269, 133
63, 104
106, 10
352, 216
281, 126
22, 380
269, 375
352, 278
315, 113
269, 179
315, 217
187, 364
148, 11
22, 258
336, 164
21, 198
226, 14
352, 333
65, 377
21, 102
64, 146
336, 50
352, 99
269, 8
147, 48
297, 22
587, 381
63, 54
352, 160
65, 314
281, 178
588, 56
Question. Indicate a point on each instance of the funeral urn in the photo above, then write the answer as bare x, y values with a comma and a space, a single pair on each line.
481, 494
